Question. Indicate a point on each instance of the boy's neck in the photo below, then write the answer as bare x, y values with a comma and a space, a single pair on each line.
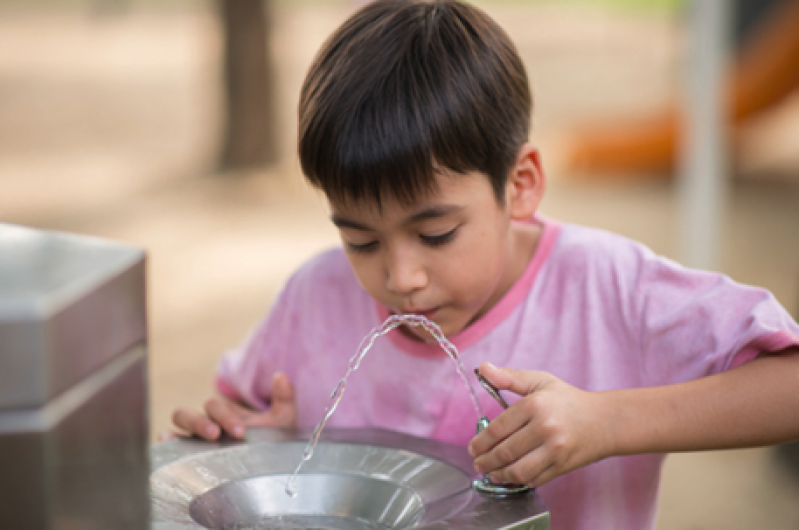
526, 236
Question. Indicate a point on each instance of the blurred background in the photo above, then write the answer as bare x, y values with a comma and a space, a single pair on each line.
154, 123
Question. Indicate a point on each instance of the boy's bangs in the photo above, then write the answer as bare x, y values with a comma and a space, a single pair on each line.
374, 159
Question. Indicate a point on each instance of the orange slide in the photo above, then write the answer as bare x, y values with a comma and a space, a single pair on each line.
767, 70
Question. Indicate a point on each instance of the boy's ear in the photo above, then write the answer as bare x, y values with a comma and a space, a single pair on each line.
526, 183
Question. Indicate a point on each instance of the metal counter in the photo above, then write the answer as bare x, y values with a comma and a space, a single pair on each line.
73, 383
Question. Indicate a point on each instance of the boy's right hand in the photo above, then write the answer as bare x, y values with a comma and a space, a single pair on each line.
225, 415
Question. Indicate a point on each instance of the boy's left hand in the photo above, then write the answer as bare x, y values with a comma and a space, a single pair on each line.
555, 428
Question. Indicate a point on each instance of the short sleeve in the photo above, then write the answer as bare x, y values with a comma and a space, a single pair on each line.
696, 323
245, 373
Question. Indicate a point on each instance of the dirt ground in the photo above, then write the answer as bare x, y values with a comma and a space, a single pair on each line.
110, 124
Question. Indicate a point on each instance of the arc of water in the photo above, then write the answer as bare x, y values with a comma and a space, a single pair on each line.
366, 344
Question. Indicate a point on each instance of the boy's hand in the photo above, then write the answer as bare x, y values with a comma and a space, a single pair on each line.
225, 415
555, 428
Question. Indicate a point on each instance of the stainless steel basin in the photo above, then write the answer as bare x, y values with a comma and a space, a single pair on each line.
357, 479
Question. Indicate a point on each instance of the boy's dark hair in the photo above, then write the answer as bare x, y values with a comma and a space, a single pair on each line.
405, 87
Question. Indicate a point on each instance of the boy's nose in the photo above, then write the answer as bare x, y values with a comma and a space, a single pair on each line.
405, 276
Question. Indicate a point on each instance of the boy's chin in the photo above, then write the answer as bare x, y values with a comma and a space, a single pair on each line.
417, 334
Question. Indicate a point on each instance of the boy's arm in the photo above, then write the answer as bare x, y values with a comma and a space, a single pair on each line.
556, 428
752, 405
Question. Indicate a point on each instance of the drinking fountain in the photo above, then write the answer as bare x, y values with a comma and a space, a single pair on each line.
359, 479
73, 383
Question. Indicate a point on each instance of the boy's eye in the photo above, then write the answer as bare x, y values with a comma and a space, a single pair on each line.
362, 247
442, 239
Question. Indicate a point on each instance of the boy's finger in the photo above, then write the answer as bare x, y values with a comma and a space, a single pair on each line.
196, 423
284, 409
521, 382
496, 431
504, 427
166, 435
282, 389
545, 476
532, 470
220, 412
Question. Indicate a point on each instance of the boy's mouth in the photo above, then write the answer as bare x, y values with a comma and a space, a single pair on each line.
427, 313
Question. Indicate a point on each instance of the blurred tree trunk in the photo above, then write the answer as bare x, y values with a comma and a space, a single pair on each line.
250, 137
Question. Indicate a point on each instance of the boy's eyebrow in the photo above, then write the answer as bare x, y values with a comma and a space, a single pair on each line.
341, 222
438, 210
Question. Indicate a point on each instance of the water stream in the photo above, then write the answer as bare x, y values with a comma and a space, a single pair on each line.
366, 344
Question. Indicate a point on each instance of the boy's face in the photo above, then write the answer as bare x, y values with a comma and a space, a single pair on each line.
450, 257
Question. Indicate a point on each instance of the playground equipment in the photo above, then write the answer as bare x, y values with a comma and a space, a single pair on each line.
765, 71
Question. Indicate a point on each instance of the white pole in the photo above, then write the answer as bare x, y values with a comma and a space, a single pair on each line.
703, 173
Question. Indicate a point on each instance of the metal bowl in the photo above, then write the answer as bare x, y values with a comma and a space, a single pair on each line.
357, 479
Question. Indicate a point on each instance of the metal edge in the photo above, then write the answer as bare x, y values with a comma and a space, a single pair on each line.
45, 418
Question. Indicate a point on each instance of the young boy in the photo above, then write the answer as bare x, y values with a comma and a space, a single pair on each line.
414, 122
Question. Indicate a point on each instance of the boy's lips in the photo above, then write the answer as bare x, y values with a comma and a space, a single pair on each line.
427, 313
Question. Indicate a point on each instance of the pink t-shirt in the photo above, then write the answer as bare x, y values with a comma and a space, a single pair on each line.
597, 310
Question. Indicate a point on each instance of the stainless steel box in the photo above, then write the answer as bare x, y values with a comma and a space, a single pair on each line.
73, 383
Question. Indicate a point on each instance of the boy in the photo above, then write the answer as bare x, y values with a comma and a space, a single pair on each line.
414, 121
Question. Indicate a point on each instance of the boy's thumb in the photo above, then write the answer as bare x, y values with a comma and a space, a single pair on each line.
282, 390
521, 382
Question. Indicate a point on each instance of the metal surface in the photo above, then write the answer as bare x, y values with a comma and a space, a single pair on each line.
82, 466
485, 485
68, 305
491, 389
357, 478
73, 383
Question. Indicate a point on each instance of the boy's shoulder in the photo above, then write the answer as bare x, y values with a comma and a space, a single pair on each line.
617, 265
325, 274
327, 266
324, 294
584, 245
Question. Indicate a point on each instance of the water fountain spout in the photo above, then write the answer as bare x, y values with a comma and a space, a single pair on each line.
485, 485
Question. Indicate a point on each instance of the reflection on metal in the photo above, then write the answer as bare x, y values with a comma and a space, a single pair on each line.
491, 389
73, 383
484, 484
358, 479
